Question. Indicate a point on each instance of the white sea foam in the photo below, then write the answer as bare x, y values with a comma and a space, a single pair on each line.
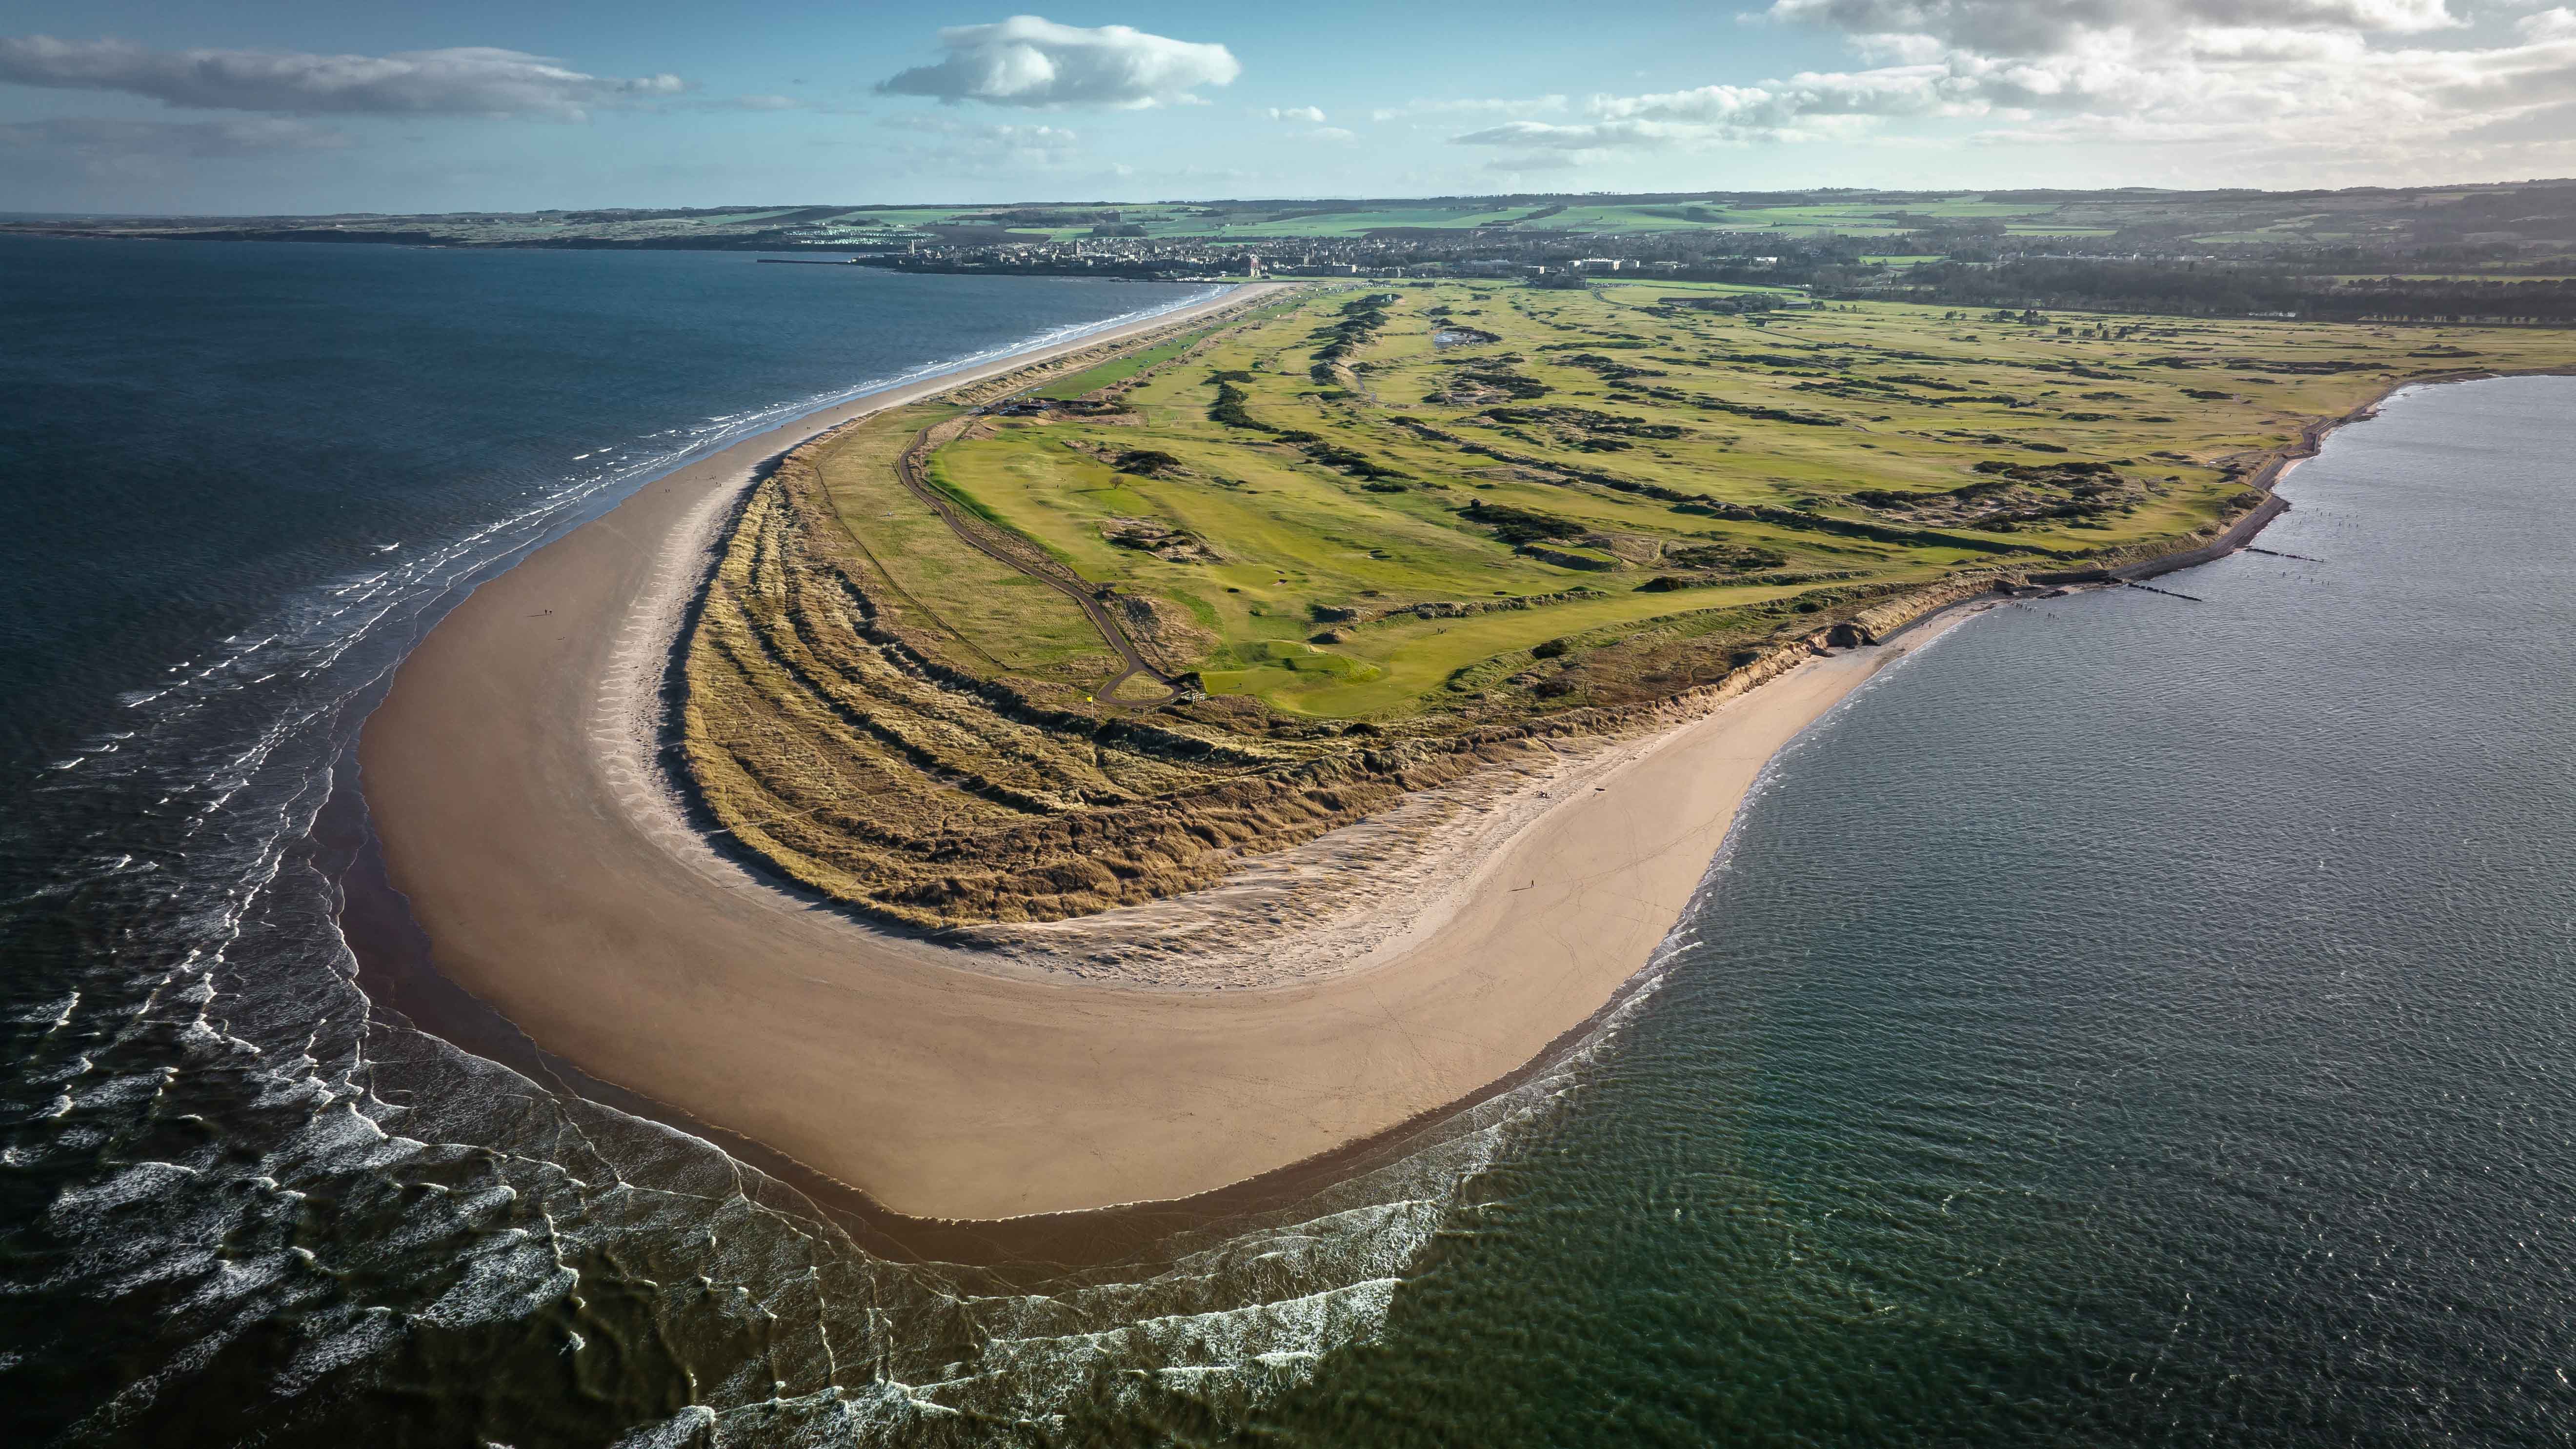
484, 1198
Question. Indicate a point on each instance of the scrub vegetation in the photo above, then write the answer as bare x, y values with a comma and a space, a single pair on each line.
1139, 616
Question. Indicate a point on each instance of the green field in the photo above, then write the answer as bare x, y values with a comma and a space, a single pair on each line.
1116, 370
1297, 538
2529, 221
1237, 221
1442, 515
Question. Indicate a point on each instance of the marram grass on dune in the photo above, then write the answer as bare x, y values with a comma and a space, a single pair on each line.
1139, 614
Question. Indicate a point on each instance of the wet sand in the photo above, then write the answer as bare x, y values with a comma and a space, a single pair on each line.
512, 778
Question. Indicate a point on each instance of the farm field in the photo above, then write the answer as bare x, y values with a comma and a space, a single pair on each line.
1364, 539
2533, 213
1915, 223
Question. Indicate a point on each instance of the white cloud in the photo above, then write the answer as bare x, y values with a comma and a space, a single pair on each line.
2341, 85
1312, 115
471, 81
1333, 134
2547, 26
2046, 27
1027, 61
1589, 136
1437, 108
1803, 108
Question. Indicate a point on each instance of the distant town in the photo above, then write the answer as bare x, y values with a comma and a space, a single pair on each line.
2497, 254
1119, 250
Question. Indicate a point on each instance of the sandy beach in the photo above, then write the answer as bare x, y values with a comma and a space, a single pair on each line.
512, 777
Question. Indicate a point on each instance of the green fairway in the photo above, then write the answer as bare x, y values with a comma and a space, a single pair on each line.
1005, 617
1117, 369
1247, 581
1351, 494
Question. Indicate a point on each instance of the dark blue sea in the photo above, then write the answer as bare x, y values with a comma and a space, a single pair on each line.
2132, 1020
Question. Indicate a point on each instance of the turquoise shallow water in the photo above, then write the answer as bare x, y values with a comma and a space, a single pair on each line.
2132, 1020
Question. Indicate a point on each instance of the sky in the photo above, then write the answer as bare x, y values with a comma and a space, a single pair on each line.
247, 107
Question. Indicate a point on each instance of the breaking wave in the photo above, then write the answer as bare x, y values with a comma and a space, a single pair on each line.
252, 1205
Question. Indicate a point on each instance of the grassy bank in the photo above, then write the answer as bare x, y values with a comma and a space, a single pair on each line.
1373, 538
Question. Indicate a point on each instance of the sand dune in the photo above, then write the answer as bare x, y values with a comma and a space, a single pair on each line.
511, 776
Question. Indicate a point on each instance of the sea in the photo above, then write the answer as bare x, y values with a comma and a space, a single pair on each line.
2135, 1018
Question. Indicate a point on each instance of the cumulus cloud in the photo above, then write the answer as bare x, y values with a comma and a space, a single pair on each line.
1027, 61
1310, 120
2341, 84
2548, 25
1807, 107
468, 81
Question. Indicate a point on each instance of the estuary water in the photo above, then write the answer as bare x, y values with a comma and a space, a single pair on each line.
2132, 1020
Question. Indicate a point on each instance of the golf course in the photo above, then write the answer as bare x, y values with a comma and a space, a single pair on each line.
1095, 632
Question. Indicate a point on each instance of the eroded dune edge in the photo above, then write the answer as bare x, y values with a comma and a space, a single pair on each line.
1342, 980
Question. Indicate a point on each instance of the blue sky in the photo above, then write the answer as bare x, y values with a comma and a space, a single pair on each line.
110, 105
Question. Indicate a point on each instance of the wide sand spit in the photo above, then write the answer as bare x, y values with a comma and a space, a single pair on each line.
517, 790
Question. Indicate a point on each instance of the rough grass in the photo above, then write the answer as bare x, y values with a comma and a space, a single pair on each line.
1115, 370
1004, 619
909, 725
839, 739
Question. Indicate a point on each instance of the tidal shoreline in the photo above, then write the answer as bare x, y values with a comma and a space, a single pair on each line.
513, 775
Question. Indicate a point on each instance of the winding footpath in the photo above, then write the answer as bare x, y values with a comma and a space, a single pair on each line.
1003, 548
